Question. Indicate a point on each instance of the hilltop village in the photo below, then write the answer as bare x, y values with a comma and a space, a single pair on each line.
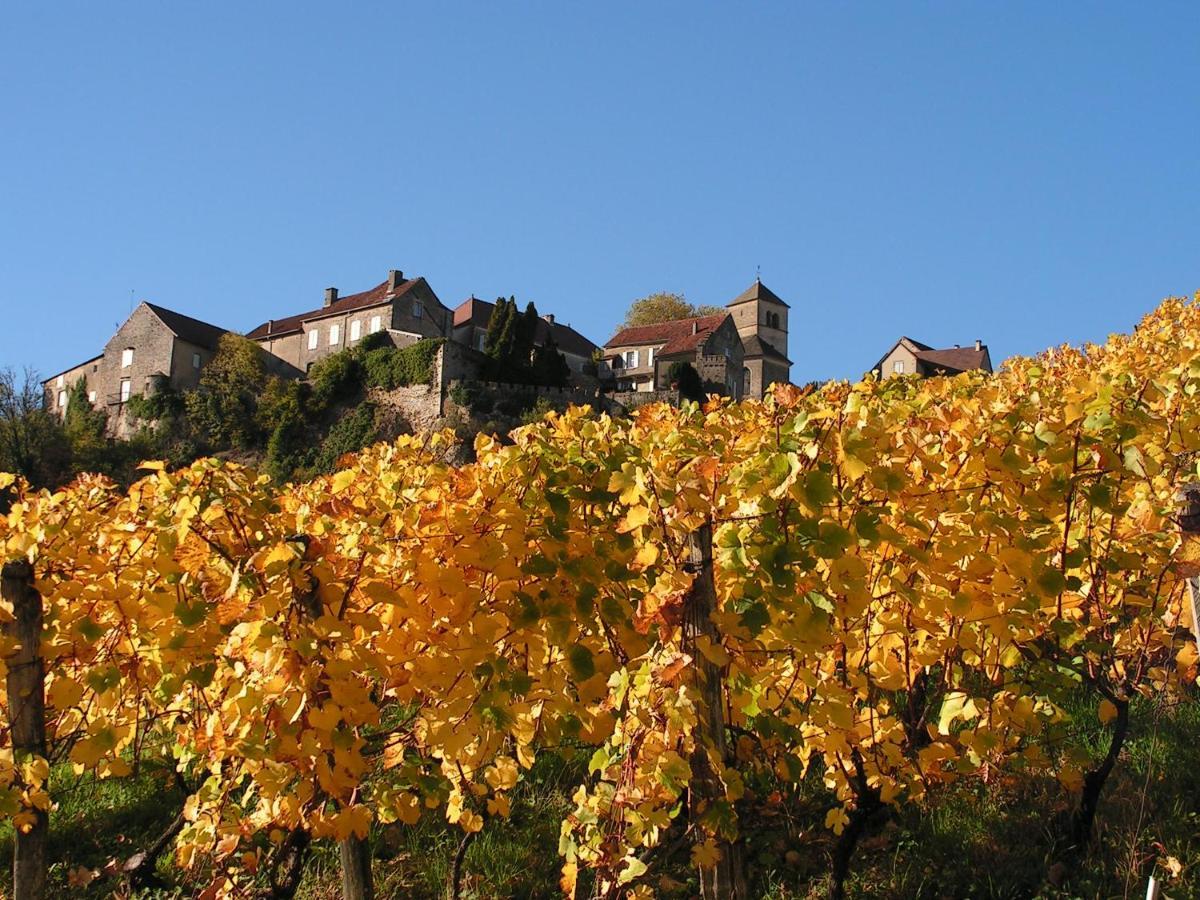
295, 393
738, 352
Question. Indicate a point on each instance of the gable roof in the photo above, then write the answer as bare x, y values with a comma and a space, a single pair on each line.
376, 296
756, 346
72, 368
478, 313
194, 331
757, 291
676, 336
955, 360
950, 361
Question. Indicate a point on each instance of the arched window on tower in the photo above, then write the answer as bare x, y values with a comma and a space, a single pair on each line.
746, 387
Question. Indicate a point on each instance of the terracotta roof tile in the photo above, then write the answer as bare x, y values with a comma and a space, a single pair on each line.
376, 296
677, 336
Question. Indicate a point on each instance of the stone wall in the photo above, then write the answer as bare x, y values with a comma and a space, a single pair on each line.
631, 400
420, 405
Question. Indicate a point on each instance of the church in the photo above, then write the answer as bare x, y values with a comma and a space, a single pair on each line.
739, 353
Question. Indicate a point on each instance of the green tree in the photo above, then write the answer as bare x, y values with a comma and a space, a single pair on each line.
224, 407
665, 307
32, 442
549, 366
84, 428
525, 334
500, 316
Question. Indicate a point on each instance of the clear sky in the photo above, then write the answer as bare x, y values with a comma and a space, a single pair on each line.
1027, 174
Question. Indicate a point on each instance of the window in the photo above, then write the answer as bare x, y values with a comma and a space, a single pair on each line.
480, 339
376, 324
631, 359
60, 380
355, 330
650, 357
746, 388
62, 399
418, 309
898, 367
195, 360
126, 357
335, 334
91, 396
124, 389
312, 339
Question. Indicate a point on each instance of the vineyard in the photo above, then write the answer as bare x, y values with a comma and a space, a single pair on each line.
888, 589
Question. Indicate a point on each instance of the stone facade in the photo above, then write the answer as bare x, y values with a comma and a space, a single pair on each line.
154, 349
407, 309
641, 357
762, 322
911, 357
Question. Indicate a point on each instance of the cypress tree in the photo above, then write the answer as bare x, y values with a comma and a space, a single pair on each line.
506, 342
500, 315
526, 334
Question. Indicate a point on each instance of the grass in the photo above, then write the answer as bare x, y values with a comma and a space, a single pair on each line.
972, 842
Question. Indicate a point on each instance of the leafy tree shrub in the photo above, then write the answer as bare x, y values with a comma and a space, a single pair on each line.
336, 378
387, 367
84, 427
349, 434
665, 307
538, 411
224, 408
32, 442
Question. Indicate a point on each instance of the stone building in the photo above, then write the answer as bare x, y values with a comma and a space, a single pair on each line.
155, 348
762, 321
406, 308
471, 318
641, 356
909, 357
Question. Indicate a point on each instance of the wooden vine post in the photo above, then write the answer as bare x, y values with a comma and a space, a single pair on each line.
27, 719
726, 877
1189, 524
356, 869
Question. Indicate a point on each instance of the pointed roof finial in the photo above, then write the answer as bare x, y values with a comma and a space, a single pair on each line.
758, 274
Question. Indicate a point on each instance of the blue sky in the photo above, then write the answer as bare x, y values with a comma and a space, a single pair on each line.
1023, 173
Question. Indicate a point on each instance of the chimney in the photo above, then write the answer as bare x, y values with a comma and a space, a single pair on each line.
695, 326
270, 325
395, 279
330, 296
956, 347
978, 344
549, 317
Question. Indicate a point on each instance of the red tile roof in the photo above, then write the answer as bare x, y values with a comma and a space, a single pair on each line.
678, 336
376, 296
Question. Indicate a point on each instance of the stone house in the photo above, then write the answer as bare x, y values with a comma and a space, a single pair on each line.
909, 357
406, 308
154, 349
471, 318
641, 356
762, 321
